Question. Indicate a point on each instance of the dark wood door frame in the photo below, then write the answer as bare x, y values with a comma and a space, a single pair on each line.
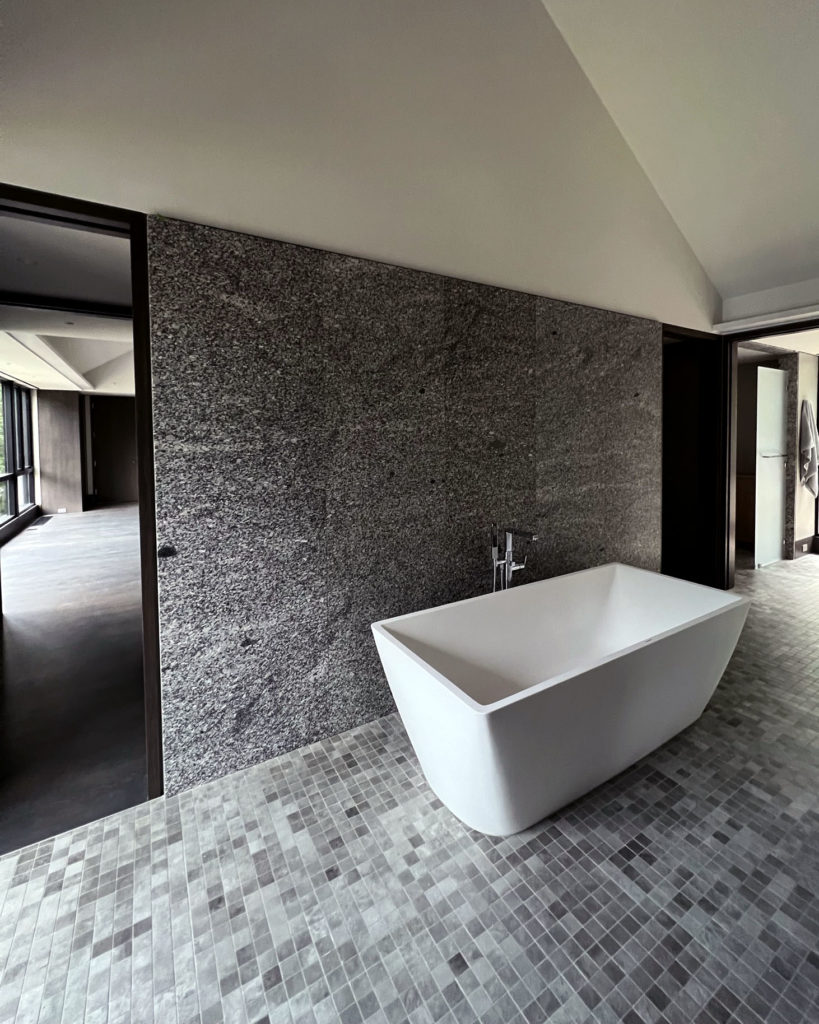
759, 334
723, 429
31, 204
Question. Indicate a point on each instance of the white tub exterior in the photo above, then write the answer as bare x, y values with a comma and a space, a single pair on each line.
519, 702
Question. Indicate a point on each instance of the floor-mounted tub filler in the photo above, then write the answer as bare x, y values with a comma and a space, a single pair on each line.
521, 701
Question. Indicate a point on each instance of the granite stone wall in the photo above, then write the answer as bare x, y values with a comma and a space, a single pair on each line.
333, 437
790, 363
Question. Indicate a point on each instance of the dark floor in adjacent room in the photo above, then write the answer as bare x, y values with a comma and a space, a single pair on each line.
329, 885
72, 735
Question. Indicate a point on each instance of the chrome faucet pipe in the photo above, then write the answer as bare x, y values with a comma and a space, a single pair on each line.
506, 562
495, 559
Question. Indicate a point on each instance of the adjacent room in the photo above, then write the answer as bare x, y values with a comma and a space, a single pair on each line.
777, 447
409, 530
73, 734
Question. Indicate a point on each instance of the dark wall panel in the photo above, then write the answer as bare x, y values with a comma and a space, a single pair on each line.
113, 449
60, 463
699, 427
333, 438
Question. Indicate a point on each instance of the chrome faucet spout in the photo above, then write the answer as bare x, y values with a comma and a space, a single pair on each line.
524, 535
496, 561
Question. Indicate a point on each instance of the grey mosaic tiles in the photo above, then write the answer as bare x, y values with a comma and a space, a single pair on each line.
330, 885
333, 438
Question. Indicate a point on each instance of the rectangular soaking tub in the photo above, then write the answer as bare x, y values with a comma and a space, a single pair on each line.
518, 702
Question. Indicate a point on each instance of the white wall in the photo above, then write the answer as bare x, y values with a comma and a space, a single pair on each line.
459, 137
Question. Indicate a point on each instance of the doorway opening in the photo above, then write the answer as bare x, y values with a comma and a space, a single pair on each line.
80, 735
710, 451
777, 385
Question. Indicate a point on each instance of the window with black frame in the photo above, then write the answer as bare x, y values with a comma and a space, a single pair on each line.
16, 452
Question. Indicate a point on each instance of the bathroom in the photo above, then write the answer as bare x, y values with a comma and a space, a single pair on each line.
410, 412
407, 303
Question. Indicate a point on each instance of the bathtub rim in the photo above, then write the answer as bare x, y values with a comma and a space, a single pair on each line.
380, 629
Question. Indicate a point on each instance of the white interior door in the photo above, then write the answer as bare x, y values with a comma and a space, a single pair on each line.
771, 464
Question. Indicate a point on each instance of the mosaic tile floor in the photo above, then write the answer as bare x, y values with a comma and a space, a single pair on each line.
330, 885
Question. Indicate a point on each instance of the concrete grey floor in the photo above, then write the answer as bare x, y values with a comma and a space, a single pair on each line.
72, 736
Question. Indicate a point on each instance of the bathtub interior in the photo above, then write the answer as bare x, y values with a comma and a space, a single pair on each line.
495, 646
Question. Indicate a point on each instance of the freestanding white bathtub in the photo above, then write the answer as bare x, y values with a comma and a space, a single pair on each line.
518, 702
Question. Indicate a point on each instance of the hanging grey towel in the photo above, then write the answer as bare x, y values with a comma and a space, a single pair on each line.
808, 449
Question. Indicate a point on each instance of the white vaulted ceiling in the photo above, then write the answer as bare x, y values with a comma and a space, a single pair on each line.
458, 136
650, 156
718, 100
